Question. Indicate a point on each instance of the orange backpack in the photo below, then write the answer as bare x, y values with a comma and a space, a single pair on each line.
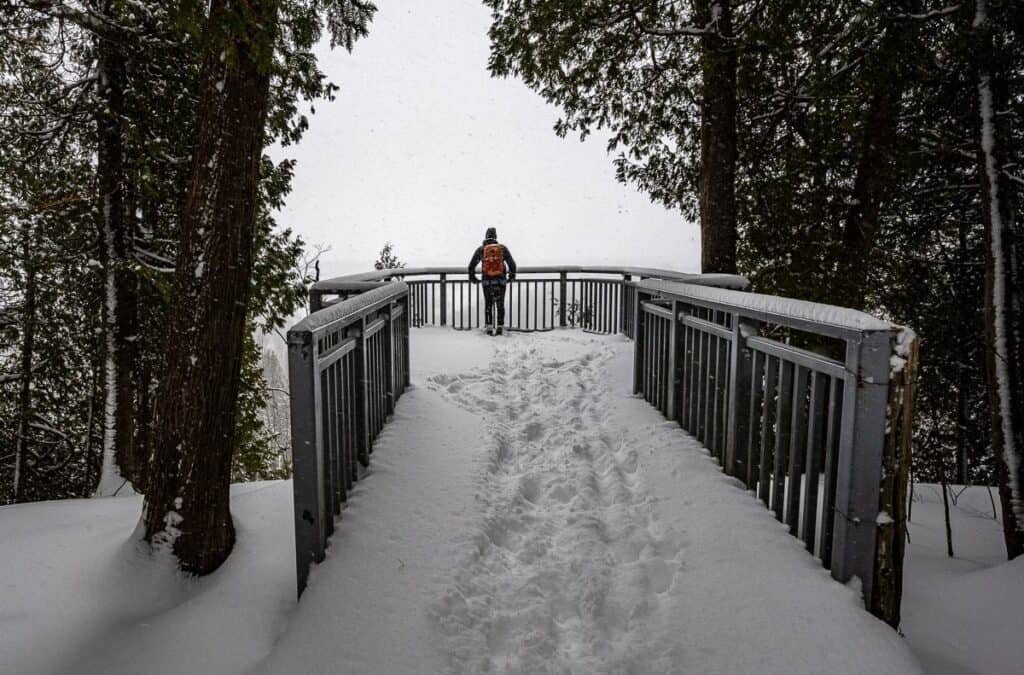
494, 261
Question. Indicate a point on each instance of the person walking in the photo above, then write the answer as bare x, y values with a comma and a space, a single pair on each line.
497, 267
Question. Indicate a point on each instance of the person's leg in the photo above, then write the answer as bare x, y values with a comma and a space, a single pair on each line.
499, 299
488, 305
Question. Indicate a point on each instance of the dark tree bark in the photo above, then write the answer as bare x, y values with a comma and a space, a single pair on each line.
115, 239
717, 137
1004, 284
874, 178
187, 502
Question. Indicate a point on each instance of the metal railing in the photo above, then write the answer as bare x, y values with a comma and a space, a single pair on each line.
595, 299
799, 401
347, 365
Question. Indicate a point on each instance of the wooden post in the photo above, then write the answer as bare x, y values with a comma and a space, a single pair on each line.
892, 503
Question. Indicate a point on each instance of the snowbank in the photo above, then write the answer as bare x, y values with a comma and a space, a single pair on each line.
523, 513
962, 614
79, 595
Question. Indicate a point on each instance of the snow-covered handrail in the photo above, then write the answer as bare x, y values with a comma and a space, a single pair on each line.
733, 281
541, 298
829, 319
793, 398
347, 366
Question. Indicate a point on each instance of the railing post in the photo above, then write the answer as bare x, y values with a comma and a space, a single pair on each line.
859, 471
740, 375
623, 319
562, 297
389, 359
316, 301
406, 367
638, 346
362, 410
444, 299
673, 376
307, 455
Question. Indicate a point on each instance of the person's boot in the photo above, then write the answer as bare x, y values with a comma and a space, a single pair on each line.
498, 330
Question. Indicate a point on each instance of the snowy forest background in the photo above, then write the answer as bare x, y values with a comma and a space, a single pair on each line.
831, 152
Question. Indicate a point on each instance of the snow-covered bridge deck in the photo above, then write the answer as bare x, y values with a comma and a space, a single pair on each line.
525, 514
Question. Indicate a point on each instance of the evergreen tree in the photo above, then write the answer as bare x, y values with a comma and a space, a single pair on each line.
194, 430
660, 77
387, 260
52, 109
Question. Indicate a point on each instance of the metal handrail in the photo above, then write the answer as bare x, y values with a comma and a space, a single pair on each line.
800, 401
807, 433
348, 364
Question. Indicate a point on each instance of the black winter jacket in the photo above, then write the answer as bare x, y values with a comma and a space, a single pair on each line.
510, 263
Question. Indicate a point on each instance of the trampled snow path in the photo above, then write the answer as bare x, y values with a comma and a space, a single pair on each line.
570, 561
526, 514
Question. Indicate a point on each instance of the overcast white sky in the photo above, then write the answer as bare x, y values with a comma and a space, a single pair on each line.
424, 149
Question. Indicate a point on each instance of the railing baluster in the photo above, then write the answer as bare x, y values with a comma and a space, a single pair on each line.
671, 411
684, 378
835, 407
782, 436
815, 435
695, 362
771, 376
337, 454
330, 507
754, 451
797, 451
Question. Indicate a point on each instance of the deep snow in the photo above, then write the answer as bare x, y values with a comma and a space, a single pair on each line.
523, 513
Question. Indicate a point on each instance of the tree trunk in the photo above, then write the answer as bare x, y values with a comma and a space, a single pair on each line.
1004, 311
964, 336
717, 138
874, 176
187, 501
120, 304
28, 341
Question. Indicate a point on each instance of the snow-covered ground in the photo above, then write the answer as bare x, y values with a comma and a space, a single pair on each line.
962, 615
523, 514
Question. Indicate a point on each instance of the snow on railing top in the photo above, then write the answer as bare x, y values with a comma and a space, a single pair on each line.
351, 308
772, 308
352, 281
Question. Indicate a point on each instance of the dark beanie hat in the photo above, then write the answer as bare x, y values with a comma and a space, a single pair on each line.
492, 233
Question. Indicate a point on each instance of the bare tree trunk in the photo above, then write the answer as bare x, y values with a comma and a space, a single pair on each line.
28, 340
945, 512
874, 176
120, 305
1004, 312
187, 506
717, 138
